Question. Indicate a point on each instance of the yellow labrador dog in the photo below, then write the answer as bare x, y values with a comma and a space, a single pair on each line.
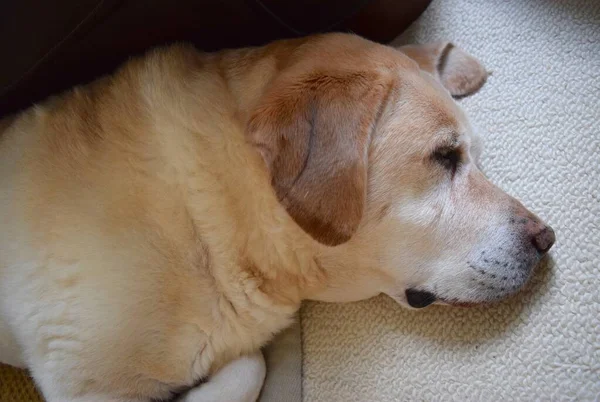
161, 224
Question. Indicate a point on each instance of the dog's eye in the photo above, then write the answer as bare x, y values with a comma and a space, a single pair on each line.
448, 158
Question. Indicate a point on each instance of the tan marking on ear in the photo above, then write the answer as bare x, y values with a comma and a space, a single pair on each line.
459, 72
314, 132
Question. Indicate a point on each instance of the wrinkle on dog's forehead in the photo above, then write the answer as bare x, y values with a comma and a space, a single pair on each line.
419, 114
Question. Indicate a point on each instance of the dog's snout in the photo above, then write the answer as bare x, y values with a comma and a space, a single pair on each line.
544, 239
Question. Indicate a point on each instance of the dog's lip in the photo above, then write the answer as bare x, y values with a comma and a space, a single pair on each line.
417, 298
426, 298
461, 303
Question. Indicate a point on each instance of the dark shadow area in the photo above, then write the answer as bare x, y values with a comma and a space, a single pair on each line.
52, 46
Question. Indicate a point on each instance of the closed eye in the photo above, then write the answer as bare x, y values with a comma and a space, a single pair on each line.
448, 157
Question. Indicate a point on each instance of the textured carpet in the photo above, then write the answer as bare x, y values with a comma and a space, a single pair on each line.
539, 114
17, 386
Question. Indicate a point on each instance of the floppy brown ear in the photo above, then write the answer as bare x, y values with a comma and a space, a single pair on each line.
314, 132
461, 73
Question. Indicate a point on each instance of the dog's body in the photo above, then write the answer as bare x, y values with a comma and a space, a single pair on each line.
167, 220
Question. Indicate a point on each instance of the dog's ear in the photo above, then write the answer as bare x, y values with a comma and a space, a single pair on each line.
313, 132
461, 73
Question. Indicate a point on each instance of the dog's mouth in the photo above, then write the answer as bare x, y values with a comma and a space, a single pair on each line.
422, 298
419, 298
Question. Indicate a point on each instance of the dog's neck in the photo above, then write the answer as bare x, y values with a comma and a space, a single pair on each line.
299, 268
349, 275
314, 272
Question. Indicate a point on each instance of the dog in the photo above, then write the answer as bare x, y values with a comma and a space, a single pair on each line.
159, 225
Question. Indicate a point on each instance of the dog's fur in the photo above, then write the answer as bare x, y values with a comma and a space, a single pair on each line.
161, 224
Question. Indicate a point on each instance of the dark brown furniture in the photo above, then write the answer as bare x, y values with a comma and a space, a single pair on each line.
48, 46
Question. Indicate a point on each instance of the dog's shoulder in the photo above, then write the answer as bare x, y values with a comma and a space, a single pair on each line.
138, 198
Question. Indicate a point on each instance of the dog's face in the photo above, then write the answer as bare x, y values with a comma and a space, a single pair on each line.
377, 158
440, 228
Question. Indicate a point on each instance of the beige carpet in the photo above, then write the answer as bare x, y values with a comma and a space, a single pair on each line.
540, 116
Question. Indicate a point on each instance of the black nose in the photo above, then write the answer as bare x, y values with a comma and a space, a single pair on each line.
544, 240
419, 298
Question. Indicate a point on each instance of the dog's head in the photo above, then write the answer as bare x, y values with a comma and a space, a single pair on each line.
369, 152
